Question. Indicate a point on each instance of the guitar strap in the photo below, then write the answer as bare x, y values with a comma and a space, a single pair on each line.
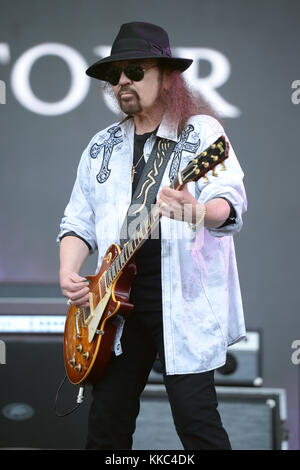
147, 187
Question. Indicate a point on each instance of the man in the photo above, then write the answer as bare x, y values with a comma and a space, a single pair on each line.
186, 296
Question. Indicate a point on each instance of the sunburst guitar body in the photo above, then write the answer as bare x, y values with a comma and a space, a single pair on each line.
90, 333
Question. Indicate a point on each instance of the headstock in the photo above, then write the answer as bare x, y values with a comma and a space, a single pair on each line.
207, 160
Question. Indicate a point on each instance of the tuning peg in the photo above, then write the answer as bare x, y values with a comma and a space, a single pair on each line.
72, 361
197, 171
223, 167
213, 146
215, 158
205, 179
214, 173
220, 147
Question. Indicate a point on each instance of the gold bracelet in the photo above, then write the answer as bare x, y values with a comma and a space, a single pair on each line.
196, 225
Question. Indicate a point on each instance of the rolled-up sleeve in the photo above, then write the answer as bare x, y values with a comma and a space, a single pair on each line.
228, 184
79, 216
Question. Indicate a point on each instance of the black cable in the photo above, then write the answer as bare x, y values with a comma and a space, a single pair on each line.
66, 413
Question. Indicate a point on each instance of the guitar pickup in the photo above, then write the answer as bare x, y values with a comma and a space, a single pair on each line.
76, 317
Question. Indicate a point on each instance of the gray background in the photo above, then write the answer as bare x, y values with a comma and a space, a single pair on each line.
39, 154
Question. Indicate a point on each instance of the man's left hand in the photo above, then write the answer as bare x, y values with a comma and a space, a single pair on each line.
179, 205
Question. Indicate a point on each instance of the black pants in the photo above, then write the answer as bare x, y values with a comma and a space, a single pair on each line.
116, 398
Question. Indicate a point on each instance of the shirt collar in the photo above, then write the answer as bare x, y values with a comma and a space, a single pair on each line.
165, 130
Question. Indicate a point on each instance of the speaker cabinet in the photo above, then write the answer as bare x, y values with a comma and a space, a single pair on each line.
253, 418
29, 381
243, 363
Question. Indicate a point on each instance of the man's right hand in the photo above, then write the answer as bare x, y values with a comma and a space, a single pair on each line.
75, 288
73, 253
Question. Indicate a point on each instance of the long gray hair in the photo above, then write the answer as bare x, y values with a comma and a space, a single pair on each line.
182, 102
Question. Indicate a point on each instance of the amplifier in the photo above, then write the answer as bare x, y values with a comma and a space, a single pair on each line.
243, 364
253, 418
29, 380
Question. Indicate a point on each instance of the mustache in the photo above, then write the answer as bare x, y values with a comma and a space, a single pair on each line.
127, 88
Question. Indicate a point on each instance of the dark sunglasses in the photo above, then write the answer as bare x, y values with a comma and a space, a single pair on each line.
134, 72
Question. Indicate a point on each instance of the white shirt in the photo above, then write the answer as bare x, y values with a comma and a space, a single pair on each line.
201, 298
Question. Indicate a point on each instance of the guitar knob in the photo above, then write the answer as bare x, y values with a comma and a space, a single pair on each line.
86, 355
72, 361
79, 348
78, 367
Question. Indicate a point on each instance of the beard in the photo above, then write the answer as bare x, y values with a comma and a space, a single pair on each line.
130, 104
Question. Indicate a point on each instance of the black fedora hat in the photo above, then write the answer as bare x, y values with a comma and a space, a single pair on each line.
138, 40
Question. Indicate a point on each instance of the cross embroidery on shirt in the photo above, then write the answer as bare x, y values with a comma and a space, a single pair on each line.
108, 146
182, 145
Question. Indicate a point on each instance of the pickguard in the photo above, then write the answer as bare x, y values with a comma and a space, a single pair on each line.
96, 313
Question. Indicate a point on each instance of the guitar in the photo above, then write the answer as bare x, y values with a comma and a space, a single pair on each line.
90, 332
